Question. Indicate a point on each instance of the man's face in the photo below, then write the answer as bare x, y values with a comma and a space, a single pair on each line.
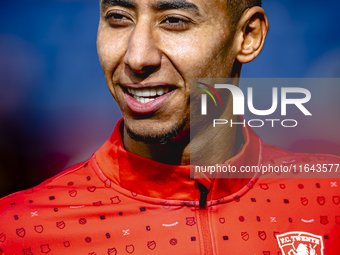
150, 49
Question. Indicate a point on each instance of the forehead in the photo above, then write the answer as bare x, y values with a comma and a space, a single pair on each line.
198, 6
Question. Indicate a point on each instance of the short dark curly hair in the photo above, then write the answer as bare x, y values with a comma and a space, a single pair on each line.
237, 7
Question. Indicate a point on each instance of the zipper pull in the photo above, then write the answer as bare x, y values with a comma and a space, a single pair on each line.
204, 193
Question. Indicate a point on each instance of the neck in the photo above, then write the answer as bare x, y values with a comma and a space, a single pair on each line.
171, 153
202, 148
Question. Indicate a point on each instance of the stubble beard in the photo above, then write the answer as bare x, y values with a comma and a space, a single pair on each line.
160, 137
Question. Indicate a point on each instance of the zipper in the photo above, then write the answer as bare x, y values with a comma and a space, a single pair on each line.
204, 220
204, 193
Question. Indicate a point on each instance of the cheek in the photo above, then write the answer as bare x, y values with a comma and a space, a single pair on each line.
196, 55
111, 47
110, 51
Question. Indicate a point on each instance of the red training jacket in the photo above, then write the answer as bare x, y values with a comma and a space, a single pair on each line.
119, 203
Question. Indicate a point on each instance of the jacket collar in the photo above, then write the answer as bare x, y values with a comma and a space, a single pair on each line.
156, 180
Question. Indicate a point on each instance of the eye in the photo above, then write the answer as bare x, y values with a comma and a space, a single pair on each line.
117, 19
175, 23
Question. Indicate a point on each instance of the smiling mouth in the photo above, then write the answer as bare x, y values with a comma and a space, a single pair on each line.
146, 95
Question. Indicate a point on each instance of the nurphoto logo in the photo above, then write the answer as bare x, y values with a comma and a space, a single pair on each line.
239, 104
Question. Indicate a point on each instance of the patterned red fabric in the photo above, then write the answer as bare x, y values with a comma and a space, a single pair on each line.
120, 203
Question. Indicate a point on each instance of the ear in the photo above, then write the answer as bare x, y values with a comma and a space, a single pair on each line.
251, 33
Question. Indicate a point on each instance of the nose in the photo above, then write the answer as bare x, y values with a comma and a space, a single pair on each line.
142, 54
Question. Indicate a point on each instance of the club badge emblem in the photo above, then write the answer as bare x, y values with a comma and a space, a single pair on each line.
130, 248
190, 221
39, 229
72, 193
324, 220
262, 235
60, 224
245, 236
300, 243
45, 248
21, 232
304, 201
336, 200
321, 200
151, 245
115, 200
264, 186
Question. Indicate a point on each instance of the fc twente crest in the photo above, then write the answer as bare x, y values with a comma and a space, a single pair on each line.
300, 243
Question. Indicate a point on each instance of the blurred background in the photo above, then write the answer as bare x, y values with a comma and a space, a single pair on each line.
55, 108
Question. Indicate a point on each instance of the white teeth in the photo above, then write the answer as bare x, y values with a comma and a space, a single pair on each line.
160, 91
149, 92
146, 92
153, 92
144, 100
147, 95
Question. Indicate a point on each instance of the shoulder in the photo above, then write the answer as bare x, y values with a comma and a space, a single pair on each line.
276, 154
51, 190
280, 163
51, 210
300, 179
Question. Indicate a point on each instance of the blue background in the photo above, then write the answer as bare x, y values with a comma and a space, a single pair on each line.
55, 108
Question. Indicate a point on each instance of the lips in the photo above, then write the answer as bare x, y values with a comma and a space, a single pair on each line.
147, 100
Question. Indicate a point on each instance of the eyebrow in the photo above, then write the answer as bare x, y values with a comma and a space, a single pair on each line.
175, 4
158, 6
124, 3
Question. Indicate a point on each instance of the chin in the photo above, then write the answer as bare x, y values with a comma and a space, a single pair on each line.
153, 136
